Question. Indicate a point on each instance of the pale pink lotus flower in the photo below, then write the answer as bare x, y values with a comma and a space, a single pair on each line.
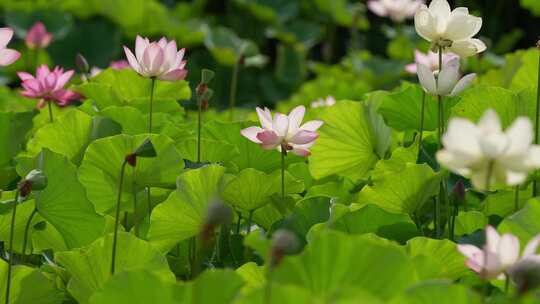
119, 64
115, 65
161, 59
431, 60
323, 102
284, 131
397, 10
7, 56
499, 255
38, 37
48, 85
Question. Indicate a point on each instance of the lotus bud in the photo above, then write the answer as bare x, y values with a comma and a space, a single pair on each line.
34, 180
284, 243
526, 275
459, 191
217, 214
82, 63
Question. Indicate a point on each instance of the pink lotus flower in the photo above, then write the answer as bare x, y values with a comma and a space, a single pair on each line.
284, 131
119, 64
7, 56
38, 37
499, 255
397, 10
48, 85
159, 59
431, 60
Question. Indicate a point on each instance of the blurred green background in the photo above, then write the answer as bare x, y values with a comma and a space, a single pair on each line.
294, 51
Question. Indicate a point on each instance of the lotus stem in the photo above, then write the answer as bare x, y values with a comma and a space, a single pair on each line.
117, 218
234, 86
199, 125
27, 229
537, 123
49, 104
11, 234
283, 154
152, 85
421, 133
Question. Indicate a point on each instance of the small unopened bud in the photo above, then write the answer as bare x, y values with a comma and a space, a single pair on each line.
201, 89
459, 191
217, 214
207, 76
538, 44
526, 274
131, 159
284, 243
38, 179
25, 188
82, 63
145, 149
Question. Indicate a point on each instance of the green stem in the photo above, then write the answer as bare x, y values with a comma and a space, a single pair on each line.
506, 282
199, 124
250, 218
153, 84
238, 222
117, 218
268, 287
27, 229
537, 122
11, 234
421, 133
234, 87
283, 154
516, 199
149, 201
135, 218
49, 104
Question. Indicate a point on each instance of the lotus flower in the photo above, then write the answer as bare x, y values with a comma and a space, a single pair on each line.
119, 64
160, 59
447, 82
452, 30
284, 131
323, 102
48, 85
431, 60
484, 149
499, 255
397, 10
7, 56
38, 37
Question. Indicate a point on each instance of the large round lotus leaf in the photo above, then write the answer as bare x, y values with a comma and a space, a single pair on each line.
347, 143
100, 169
182, 214
335, 261
90, 266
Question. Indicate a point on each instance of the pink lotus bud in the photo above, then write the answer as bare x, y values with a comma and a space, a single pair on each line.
38, 37
7, 56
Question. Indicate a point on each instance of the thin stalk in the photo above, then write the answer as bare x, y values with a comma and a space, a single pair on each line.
49, 104
11, 234
135, 217
27, 229
421, 133
537, 122
149, 201
250, 218
117, 219
437, 216
283, 154
268, 287
199, 124
516, 199
153, 84
234, 87
238, 223
506, 282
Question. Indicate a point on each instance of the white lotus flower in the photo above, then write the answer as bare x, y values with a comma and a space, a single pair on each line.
477, 151
453, 30
500, 254
447, 82
323, 102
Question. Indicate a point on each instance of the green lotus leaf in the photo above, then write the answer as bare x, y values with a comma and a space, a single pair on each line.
90, 266
444, 260
347, 143
444, 292
182, 214
324, 267
28, 285
63, 202
100, 169
405, 191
